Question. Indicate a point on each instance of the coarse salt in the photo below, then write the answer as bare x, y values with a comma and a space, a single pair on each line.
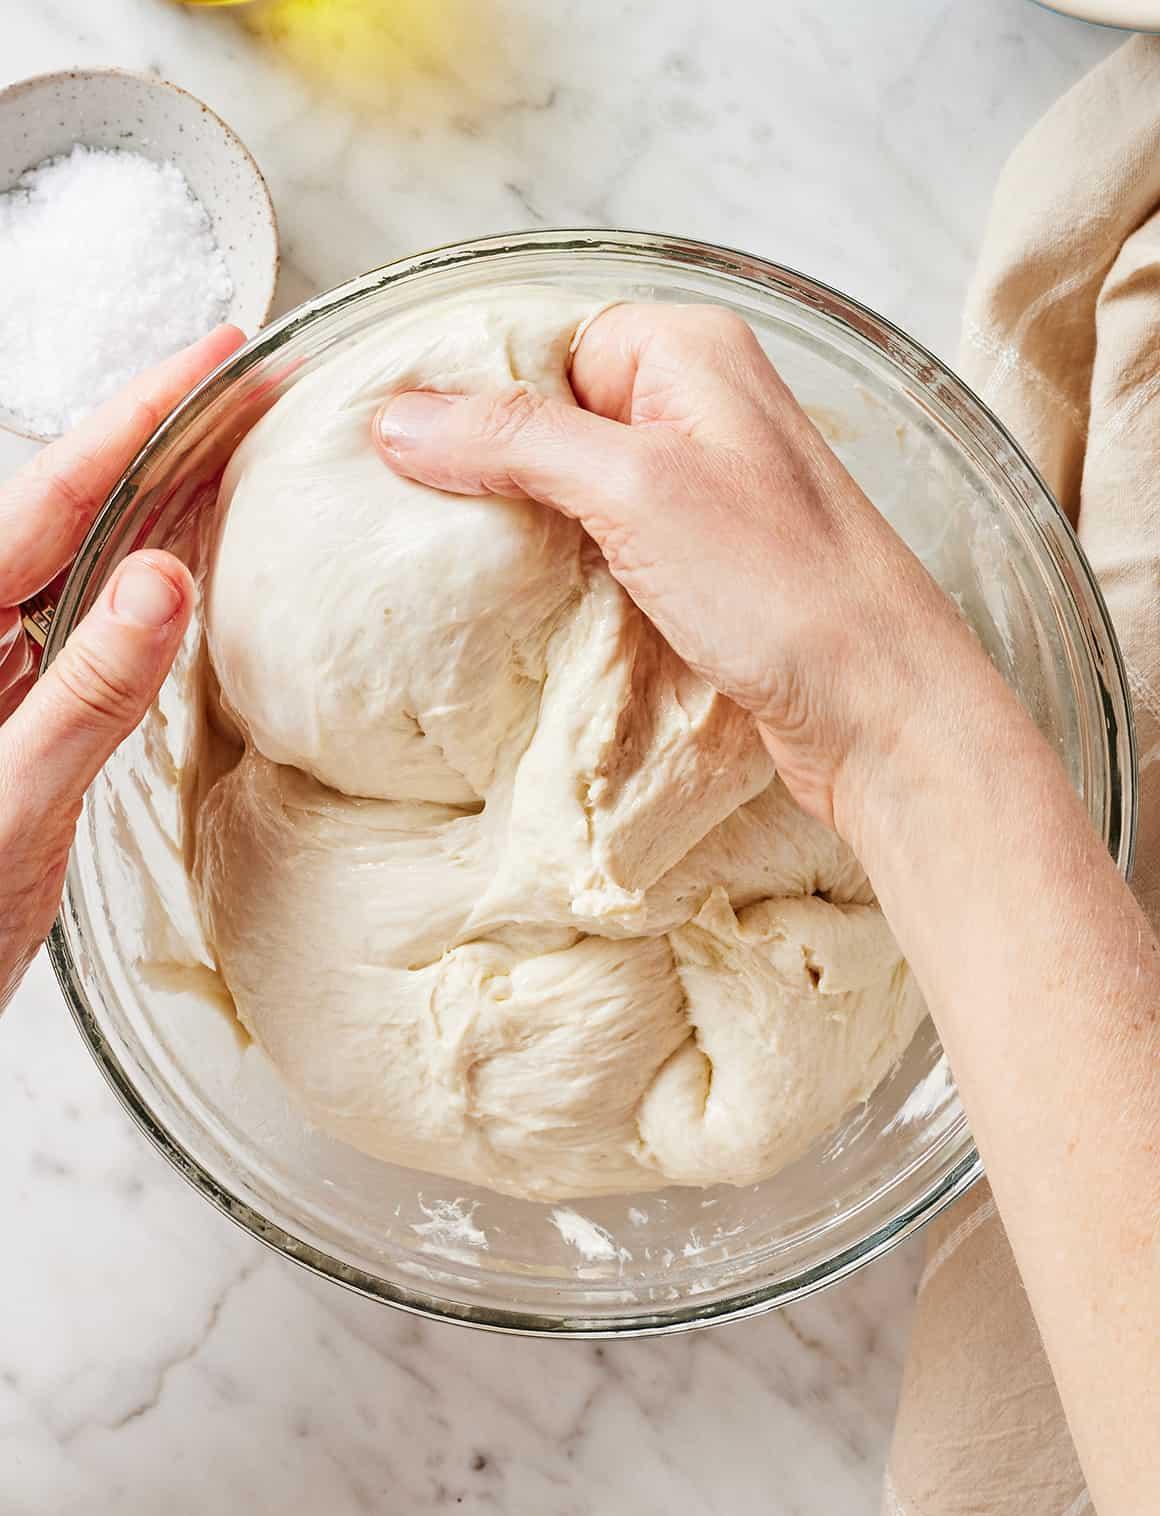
108, 263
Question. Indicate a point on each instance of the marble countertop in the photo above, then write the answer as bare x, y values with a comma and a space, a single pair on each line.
152, 1357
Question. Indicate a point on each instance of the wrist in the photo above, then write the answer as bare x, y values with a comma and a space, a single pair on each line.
952, 742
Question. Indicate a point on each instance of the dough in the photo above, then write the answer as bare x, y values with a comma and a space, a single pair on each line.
504, 890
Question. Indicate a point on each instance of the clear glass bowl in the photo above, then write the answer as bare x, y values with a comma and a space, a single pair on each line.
957, 487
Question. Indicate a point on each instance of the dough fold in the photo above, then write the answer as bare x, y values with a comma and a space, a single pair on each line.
503, 889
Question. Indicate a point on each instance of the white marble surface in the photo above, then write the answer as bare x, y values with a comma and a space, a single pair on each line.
153, 1358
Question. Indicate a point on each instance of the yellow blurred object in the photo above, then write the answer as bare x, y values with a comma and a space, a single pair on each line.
213, 2
378, 54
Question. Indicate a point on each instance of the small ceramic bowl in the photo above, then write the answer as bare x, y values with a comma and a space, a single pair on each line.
47, 115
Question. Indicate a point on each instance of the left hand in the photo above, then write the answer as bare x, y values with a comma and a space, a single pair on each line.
56, 734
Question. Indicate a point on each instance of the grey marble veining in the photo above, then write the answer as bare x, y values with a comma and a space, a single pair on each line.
152, 1358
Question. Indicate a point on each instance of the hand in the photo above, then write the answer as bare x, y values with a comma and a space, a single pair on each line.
56, 734
729, 521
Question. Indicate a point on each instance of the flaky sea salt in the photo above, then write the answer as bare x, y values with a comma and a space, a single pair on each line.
107, 264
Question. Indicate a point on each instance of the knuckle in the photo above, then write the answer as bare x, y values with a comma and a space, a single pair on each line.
715, 324
508, 416
95, 688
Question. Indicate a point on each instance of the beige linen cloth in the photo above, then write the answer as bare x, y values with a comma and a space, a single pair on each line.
1062, 339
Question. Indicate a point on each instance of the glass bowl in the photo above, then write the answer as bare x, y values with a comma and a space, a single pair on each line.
963, 494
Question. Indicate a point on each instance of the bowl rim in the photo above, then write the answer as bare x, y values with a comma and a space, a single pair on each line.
1122, 819
55, 76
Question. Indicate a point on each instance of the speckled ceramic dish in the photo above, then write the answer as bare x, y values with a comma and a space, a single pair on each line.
112, 108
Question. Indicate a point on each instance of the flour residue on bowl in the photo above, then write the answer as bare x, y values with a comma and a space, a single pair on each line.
926, 1098
697, 1245
450, 1224
590, 1240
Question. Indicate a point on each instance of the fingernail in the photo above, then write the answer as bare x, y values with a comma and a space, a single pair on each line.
408, 419
144, 596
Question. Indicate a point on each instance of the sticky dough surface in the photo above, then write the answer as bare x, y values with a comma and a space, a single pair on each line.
505, 891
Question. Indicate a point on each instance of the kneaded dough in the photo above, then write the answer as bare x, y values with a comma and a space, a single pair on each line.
503, 889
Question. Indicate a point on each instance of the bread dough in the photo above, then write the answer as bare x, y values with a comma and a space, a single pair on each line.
503, 889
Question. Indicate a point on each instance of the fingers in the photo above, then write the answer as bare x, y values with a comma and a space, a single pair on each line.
47, 508
519, 444
648, 378
698, 368
93, 694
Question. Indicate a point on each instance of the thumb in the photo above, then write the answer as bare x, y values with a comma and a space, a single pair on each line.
519, 443
96, 690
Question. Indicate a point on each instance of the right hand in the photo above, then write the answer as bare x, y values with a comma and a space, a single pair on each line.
735, 529
732, 525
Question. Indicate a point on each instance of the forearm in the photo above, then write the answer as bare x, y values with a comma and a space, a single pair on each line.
1043, 978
